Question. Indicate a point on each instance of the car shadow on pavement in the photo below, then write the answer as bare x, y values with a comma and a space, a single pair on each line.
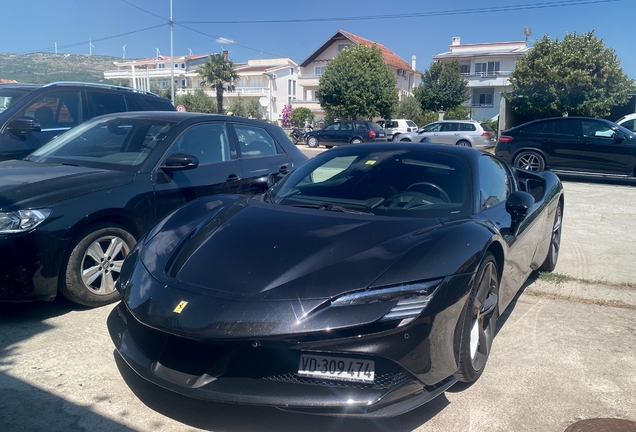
37, 310
216, 416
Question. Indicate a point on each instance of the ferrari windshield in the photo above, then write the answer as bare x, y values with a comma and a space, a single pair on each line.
400, 182
119, 143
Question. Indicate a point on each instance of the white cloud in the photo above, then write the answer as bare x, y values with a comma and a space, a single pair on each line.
223, 40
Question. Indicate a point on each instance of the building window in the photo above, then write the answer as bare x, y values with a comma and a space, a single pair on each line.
182, 65
343, 46
176, 65
294, 87
182, 83
289, 86
465, 69
161, 66
487, 69
319, 70
485, 99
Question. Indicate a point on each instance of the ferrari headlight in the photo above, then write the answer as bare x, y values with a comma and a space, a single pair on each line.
22, 220
410, 300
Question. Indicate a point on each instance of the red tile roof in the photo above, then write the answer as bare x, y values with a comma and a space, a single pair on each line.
7, 81
389, 56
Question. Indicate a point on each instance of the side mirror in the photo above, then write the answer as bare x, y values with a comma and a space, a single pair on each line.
619, 137
518, 205
180, 161
24, 124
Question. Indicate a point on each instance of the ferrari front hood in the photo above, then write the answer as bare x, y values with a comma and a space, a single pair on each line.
258, 251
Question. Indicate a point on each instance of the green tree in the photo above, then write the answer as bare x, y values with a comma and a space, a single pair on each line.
238, 107
358, 84
577, 75
218, 73
301, 115
198, 101
411, 109
443, 87
163, 92
254, 109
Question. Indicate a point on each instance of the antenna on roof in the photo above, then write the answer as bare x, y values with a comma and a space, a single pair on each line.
158, 53
190, 51
90, 48
124, 51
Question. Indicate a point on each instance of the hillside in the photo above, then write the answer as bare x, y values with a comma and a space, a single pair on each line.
47, 67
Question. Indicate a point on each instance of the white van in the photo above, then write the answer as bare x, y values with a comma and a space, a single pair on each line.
628, 122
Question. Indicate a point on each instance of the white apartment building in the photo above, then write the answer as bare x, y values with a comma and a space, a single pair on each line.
271, 81
487, 67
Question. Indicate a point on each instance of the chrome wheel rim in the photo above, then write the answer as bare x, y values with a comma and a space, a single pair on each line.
464, 144
101, 264
312, 142
529, 162
482, 330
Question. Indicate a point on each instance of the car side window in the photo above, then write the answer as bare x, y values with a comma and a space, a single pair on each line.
207, 142
450, 127
254, 141
540, 127
333, 126
435, 127
494, 182
360, 126
596, 129
346, 126
468, 127
106, 103
55, 110
567, 127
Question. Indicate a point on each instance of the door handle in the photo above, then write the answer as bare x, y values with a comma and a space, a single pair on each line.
587, 142
232, 178
284, 169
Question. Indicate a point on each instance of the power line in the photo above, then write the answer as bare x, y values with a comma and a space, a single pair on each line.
547, 5
144, 10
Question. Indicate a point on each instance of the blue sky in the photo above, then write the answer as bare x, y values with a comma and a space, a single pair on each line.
426, 30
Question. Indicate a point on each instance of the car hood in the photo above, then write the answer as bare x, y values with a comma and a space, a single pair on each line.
25, 184
253, 250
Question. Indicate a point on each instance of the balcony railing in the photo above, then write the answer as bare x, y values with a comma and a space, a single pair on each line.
487, 74
247, 91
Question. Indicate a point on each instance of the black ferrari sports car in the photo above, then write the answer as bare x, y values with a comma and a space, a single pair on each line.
366, 282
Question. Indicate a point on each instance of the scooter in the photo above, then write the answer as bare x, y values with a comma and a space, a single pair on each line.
297, 135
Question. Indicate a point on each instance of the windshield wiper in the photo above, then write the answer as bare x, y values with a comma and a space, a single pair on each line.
331, 207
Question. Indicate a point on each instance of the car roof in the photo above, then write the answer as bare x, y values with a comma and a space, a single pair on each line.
560, 119
178, 116
470, 154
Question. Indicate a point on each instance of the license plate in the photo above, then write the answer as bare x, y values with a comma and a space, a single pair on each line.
381, 135
336, 368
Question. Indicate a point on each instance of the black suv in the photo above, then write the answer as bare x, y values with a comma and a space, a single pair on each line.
346, 132
31, 114
570, 145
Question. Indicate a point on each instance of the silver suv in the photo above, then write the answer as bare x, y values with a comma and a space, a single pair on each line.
468, 133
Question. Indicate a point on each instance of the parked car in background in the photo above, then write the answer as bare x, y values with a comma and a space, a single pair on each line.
31, 115
397, 126
570, 145
72, 211
345, 132
365, 283
467, 133
628, 122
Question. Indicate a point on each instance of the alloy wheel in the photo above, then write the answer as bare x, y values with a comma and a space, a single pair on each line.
482, 330
102, 263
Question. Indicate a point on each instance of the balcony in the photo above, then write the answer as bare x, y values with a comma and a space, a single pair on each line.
313, 105
139, 72
243, 91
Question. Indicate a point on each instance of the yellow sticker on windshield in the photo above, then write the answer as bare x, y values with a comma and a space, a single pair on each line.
370, 162
180, 307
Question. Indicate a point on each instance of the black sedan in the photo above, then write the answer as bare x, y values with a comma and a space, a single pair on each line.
346, 132
72, 211
366, 282
573, 146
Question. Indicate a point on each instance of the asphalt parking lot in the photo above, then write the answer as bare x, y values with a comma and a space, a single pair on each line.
564, 352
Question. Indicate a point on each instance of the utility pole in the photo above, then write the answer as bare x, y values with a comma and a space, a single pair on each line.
171, 55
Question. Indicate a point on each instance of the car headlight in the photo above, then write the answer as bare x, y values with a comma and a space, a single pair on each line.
410, 300
22, 220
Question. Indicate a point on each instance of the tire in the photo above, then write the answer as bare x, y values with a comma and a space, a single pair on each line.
312, 142
529, 160
405, 140
479, 321
555, 242
464, 143
356, 141
328, 146
85, 279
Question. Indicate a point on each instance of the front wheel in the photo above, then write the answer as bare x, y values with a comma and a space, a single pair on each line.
479, 320
356, 141
405, 140
464, 143
93, 266
555, 242
529, 160
312, 142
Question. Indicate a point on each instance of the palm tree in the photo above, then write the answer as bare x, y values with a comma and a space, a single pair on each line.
218, 72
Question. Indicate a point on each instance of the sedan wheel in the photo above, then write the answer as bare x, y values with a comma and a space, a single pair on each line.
405, 140
479, 322
356, 141
464, 143
312, 142
94, 264
530, 161
555, 242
